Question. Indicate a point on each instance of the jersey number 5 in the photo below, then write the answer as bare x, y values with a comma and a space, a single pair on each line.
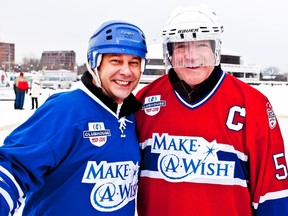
279, 166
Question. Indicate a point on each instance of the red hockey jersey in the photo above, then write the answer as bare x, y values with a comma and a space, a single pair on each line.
223, 155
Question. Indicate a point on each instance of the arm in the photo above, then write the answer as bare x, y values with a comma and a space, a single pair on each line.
268, 167
25, 157
11, 195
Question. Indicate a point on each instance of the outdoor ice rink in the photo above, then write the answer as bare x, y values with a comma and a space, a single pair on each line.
10, 118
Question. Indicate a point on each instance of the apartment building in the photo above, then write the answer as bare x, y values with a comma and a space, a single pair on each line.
55, 60
7, 56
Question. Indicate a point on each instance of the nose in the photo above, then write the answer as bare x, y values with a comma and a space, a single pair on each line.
125, 69
191, 52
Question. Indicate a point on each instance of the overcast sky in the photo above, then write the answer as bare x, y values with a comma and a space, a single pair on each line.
255, 29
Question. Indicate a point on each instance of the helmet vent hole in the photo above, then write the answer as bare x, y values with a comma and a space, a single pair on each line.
109, 37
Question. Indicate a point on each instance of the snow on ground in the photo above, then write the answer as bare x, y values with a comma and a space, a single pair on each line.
10, 118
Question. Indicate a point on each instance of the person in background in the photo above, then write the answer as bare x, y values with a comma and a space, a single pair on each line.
78, 154
211, 144
35, 92
20, 87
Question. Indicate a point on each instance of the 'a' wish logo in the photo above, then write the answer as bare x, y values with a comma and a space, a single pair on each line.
115, 184
186, 158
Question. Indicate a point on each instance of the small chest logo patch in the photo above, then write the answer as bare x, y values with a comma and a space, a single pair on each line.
97, 133
152, 104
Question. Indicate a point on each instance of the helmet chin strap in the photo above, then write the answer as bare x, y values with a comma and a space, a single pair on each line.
94, 73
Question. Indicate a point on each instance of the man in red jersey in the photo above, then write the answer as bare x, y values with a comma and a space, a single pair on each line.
211, 144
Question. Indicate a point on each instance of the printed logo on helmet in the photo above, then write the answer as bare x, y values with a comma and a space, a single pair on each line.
181, 31
97, 133
152, 105
271, 116
127, 33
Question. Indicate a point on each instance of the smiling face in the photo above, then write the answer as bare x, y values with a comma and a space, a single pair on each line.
119, 75
193, 61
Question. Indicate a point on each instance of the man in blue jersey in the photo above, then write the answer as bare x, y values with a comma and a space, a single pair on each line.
78, 154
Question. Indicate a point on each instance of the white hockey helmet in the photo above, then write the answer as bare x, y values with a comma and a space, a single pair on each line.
192, 23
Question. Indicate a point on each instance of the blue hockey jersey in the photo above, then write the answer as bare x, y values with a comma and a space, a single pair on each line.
73, 156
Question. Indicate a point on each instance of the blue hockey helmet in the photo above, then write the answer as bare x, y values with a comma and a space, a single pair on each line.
118, 37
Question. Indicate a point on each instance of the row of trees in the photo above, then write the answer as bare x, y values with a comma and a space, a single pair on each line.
272, 74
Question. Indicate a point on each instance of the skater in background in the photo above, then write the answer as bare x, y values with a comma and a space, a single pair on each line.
211, 144
35, 92
78, 154
20, 88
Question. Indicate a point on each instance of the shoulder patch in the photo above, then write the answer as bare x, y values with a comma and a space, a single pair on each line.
271, 116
